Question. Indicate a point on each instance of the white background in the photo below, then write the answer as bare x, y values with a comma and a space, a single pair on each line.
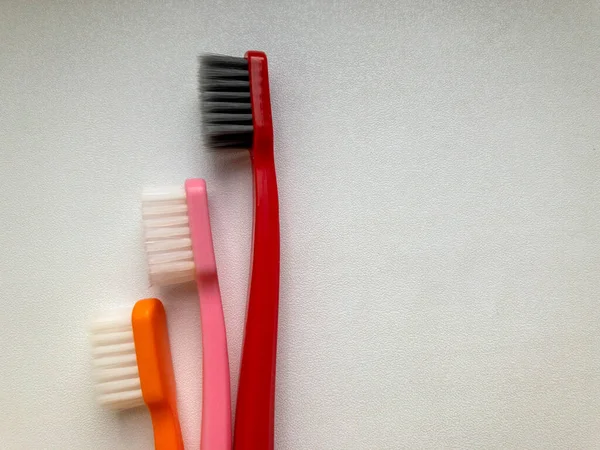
439, 174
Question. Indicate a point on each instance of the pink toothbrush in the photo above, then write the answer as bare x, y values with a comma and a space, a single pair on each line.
180, 249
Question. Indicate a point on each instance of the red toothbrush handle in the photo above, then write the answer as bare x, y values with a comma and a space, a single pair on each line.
255, 414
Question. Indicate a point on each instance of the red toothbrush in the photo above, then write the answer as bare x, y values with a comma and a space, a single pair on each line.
236, 107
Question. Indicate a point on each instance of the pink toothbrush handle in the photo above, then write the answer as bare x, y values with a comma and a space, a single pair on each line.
216, 394
216, 391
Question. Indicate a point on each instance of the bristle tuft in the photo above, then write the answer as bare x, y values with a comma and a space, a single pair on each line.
225, 96
167, 236
114, 361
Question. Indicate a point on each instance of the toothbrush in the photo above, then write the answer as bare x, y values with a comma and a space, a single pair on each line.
236, 113
179, 247
132, 365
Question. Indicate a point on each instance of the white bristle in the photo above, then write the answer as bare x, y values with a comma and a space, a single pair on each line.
121, 400
125, 385
168, 221
112, 349
173, 194
115, 365
155, 234
117, 337
115, 373
167, 236
104, 361
170, 244
160, 210
180, 256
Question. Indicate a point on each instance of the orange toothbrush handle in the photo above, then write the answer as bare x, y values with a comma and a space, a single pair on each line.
167, 434
156, 372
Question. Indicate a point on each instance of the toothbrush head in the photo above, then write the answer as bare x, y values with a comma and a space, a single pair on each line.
177, 233
132, 366
226, 109
113, 358
236, 102
131, 356
167, 236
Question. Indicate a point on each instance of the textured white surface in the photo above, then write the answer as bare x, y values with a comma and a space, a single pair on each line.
440, 197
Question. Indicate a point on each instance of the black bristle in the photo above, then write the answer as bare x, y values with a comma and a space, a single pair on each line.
225, 98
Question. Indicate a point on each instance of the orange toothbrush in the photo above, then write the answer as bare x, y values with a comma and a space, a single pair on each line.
132, 364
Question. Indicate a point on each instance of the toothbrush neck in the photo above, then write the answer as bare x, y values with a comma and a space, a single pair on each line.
262, 150
165, 423
208, 288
